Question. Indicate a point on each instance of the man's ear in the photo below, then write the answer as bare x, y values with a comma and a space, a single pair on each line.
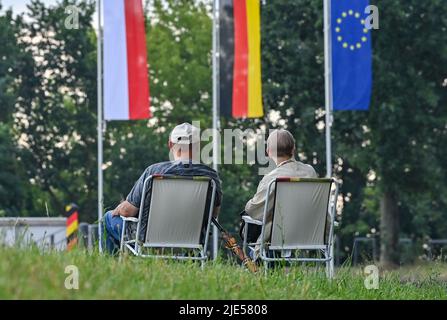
170, 144
269, 153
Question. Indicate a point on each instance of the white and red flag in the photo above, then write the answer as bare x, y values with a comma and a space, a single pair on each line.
126, 84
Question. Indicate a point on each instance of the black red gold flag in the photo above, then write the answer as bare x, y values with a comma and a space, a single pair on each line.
240, 59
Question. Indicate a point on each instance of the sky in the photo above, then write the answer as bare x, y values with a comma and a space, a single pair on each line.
19, 6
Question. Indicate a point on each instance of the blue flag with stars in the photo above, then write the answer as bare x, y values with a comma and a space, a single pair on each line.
351, 55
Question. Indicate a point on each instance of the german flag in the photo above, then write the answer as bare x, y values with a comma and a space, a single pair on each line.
240, 58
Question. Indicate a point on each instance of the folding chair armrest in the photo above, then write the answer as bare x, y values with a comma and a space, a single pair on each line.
250, 220
130, 219
122, 241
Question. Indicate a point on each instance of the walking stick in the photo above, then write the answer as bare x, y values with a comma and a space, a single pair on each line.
231, 243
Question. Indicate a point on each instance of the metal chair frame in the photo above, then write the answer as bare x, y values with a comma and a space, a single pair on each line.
326, 249
136, 247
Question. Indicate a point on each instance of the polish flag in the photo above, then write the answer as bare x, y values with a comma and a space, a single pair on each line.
126, 84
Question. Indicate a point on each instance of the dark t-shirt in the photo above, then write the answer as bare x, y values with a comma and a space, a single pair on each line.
177, 168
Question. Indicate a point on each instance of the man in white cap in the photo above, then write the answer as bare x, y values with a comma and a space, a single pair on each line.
184, 146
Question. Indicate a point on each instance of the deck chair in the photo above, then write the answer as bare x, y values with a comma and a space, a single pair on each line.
175, 215
303, 219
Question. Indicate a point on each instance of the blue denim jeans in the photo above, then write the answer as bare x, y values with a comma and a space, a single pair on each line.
113, 228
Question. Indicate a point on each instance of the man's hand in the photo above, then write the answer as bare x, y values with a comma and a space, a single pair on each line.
125, 209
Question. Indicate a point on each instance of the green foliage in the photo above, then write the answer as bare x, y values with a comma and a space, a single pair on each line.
11, 188
9, 50
56, 105
14, 191
179, 42
401, 138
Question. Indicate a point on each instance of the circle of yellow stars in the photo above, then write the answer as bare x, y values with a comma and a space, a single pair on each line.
345, 44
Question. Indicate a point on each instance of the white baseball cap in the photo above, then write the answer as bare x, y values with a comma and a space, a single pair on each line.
185, 133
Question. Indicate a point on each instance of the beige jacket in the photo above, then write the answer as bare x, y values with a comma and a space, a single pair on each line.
289, 168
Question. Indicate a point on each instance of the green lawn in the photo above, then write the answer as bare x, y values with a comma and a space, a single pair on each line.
28, 274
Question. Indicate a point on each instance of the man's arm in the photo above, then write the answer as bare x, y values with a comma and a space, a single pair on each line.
216, 211
128, 207
125, 209
255, 205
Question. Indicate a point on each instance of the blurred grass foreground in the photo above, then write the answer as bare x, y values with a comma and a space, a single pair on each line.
32, 274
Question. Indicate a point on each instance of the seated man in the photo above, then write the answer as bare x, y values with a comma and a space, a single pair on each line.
182, 141
281, 149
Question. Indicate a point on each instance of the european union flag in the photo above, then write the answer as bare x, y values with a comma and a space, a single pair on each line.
351, 55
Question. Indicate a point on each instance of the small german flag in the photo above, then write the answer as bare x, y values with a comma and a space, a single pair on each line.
240, 59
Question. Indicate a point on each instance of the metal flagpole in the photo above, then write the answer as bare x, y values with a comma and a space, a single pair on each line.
328, 84
216, 146
328, 94
100, 126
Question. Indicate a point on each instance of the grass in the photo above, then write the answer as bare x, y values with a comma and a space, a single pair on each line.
30, 274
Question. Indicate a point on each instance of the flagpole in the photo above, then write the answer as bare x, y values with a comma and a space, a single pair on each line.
100, 127
328, 94
328, 84
215, 105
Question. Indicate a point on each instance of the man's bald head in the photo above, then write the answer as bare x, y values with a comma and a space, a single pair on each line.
280, 144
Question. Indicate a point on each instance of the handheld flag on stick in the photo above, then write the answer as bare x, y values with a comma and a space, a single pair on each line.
231, 243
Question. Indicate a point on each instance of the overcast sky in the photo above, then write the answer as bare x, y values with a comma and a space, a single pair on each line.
19, 6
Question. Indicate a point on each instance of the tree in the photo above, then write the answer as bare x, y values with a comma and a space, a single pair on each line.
56, 104
409, 117
13, 192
